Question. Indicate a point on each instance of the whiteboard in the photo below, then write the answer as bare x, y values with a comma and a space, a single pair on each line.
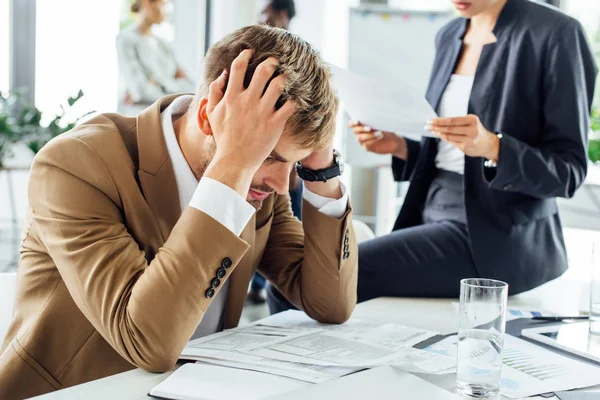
388, 44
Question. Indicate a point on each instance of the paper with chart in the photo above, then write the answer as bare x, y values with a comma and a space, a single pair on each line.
380, 104
529, 370
291, 344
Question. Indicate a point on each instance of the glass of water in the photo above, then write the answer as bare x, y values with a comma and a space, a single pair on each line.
482, 321
595, 291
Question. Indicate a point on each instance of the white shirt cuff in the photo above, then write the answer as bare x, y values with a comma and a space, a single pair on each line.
335, 208
223, 204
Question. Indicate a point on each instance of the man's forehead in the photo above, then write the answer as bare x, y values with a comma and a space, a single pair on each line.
288, 148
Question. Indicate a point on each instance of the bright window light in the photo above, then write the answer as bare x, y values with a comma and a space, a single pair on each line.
4, 44
75, 49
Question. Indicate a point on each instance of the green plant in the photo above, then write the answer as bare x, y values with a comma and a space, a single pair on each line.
22, 122
594, 144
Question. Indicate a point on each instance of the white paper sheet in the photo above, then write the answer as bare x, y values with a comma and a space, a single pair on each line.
209, 382
380, 104
303, 372
420, 361
529, 370
354, 348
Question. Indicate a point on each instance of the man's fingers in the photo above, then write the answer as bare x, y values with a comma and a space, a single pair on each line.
238, 72
273, 93
216, 91
262, 74
286, 111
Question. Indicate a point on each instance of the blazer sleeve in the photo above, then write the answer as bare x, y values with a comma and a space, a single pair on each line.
133, 75
557, 165
403, 169
145, 309
314, 263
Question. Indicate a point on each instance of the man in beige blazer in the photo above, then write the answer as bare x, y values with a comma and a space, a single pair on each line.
144, 232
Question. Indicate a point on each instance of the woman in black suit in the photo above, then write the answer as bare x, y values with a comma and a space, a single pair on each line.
513, 82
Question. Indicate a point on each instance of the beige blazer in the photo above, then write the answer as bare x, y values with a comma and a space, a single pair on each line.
113, 276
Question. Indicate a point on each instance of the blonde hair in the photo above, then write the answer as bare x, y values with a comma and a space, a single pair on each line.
308, 78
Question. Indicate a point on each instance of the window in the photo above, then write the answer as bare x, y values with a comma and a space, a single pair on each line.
4, 44
75, 49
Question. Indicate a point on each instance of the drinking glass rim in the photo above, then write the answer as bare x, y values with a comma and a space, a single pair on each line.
498, 284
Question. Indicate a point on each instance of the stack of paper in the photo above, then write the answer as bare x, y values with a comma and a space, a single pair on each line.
292, 345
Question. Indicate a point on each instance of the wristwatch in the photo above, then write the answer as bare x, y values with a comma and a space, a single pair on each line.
322, 175
491, 163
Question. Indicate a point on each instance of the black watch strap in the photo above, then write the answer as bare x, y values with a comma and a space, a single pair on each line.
322, 175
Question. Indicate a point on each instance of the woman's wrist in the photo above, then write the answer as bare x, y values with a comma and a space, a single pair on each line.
401, 149
494, 150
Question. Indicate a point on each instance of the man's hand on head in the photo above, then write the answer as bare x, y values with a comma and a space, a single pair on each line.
244, 122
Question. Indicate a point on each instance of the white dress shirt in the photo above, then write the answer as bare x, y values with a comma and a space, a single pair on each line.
454, 103
222, 203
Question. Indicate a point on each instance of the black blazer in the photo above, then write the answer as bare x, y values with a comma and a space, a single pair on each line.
535, 86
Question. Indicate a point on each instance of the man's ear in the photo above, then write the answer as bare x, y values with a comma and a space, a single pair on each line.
202, 117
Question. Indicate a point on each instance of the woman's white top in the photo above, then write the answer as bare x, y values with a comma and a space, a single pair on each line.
454, 103
147, 69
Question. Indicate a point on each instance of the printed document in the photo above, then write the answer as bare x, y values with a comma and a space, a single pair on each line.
383, 105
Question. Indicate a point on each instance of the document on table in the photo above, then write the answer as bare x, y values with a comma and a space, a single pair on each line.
378, 346
292, 345
529, 370
380, 104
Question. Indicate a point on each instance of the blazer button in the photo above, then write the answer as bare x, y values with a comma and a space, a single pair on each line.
345, 248
215, 283
226, 263
346, 255
508, 186
346, 240
221, 273
210, 293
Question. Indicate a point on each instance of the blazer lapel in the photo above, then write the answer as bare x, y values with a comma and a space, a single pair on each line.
240, 279
156, 175
443, 66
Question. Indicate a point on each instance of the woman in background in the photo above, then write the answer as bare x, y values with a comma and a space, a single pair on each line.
147, 66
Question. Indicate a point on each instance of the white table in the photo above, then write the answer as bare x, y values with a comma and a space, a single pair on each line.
434, 314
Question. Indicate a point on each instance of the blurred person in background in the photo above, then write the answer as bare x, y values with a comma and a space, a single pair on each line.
277, 13
148, 69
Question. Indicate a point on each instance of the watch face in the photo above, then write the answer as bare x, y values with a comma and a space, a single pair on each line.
339, 160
